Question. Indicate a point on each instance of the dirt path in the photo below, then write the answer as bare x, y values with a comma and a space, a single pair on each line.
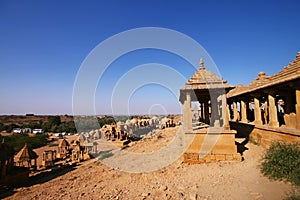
93, 180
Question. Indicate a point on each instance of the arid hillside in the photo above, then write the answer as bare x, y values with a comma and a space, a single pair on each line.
94, 180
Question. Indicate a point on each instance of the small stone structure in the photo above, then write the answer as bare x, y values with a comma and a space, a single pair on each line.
11, 175
115, 132
49, 157
26, 157
271, 104
63, 149
209, 91
92, 147
79, 152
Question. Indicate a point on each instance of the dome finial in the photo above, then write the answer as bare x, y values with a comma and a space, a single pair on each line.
201, 64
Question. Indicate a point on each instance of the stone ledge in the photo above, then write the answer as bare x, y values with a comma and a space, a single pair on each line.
194, 158
282, 129
212, 130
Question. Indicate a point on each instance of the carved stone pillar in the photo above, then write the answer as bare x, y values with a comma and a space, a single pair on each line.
214, 111
235, 112
298, 109
257, 112
273, 112
202, 111
184, 114
225, 115
206, 112
187, 112
244, 112
266, 114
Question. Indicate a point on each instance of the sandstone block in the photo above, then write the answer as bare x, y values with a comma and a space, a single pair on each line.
229, 157
220, 157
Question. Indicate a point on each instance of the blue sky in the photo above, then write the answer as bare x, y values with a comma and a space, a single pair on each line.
43, 44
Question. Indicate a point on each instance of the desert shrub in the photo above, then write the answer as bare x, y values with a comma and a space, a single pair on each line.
282, 162
159, 137
293, 195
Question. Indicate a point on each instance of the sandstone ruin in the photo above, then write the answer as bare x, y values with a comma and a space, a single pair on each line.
266, 110
270, 105
211, 121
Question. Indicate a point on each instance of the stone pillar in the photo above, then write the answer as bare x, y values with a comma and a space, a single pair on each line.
257, 112
297, 109
244, 112
202, 111
184, 113
235, 112
272, 112
266, 114
214, 111
206, 112
225, 115
187, 112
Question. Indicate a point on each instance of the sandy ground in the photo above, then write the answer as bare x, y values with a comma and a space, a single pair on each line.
224, 180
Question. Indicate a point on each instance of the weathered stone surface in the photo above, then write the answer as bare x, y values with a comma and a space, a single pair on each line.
220, 157
290, 120
229, 157
277, 99
225, 145
264, 135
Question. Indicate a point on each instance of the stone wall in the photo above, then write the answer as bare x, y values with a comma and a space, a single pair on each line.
264, 135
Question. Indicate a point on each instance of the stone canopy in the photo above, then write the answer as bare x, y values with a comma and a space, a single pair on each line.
25, 154
202, 83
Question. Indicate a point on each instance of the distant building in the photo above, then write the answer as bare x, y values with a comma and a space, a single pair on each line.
17, 130
37, 131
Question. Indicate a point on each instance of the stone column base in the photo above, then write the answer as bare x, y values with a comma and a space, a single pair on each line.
274, 124
212, 145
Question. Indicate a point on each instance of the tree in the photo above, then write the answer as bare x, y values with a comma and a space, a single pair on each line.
10, 127
54, 120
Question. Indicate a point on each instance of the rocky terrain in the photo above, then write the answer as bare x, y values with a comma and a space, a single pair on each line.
225, 180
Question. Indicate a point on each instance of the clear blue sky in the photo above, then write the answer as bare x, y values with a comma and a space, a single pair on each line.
43, 43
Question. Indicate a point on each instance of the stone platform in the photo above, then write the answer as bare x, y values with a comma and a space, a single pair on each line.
120, 143
212, 145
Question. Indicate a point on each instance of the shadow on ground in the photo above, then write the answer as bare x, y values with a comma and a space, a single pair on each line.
241, 146
43, 176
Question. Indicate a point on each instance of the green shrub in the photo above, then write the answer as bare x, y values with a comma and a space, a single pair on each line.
17, 141
282, 162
